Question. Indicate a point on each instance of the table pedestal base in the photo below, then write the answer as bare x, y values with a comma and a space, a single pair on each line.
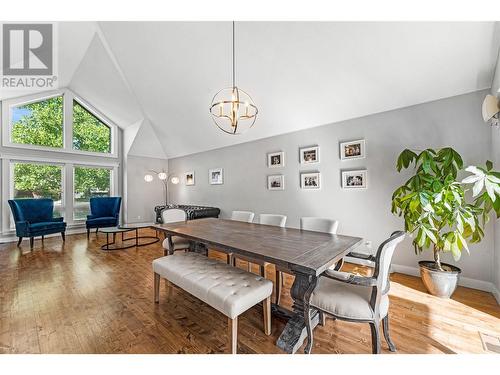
294, 334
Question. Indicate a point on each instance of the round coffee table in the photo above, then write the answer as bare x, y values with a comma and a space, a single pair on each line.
124, 229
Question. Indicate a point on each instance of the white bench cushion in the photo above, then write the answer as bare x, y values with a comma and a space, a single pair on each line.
228, 289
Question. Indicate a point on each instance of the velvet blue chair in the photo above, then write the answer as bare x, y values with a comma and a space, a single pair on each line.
104, 212
35, 217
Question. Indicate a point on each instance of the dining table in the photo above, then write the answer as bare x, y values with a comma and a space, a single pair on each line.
303, 254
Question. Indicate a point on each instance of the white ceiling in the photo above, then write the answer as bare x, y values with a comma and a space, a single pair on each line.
300, 74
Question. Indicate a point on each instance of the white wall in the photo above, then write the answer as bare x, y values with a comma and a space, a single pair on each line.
141, 196
495, 136
452, 122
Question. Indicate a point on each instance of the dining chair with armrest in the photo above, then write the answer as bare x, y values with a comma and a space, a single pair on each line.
174, 243
354, 298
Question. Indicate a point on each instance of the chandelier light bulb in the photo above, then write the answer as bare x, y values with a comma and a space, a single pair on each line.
148, 178
174, 180
162, 176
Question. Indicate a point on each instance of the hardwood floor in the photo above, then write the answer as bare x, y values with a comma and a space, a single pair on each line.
76, 298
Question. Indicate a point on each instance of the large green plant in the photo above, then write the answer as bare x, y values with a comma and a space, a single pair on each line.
435, 206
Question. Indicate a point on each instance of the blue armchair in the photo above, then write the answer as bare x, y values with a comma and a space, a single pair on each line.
34, 217
104, 212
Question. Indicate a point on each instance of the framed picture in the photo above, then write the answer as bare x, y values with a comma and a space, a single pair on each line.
309, 155
354, 179
310, 180
216, 176
189, 178
276, 160
352, 150
276, 182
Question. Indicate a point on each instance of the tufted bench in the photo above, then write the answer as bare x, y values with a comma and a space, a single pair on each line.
228, 289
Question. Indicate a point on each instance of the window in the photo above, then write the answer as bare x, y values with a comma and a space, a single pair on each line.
89, 133
39, 181
89, 182
38, 123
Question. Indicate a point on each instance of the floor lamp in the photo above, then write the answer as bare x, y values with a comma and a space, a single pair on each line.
164, 178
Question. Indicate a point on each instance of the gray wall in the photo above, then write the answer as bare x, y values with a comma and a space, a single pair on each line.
495, 136
452, 122
141, 196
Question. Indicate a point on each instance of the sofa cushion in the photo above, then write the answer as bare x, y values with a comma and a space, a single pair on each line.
228, 289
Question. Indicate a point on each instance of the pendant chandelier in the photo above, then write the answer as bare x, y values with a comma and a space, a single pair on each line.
232, 109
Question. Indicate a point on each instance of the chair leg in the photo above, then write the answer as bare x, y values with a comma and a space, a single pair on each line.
63, 235
322, 318
19, 241
88, 234
157, 288
43, 238
375, 330
307, 319
233, 334
267, 315
32, 240
249, 267
278, 283
385, 328
262, 271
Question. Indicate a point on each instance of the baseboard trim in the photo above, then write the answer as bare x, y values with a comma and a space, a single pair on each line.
496, 294
77, 229
464, 281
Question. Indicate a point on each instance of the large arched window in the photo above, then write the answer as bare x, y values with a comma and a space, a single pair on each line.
89, 132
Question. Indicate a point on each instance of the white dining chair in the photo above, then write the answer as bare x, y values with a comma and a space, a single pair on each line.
315, 224
174, 215
272, 219
353, 298
245, 216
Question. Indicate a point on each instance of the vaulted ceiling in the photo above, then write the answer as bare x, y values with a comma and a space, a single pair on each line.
158, 78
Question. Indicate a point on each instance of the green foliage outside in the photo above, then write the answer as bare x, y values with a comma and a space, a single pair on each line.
89, 133
41, 124
434, 204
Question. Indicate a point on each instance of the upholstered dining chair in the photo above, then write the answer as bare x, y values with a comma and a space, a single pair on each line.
173, 215
314, 224
245, 216
264, 219
354, 298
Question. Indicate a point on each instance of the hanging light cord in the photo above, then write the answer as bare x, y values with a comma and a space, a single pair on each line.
233, 58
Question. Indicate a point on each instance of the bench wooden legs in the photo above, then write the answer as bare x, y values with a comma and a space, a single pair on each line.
157, 288
232, 325
267, 315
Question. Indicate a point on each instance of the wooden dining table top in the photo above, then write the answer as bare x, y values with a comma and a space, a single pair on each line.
294, 249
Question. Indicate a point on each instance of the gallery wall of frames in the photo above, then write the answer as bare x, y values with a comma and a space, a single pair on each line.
310, 179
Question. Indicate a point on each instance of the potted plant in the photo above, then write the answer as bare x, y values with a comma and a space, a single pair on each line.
440, 214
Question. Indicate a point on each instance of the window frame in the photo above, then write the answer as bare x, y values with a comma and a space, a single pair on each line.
112, 186
68, 97
14, 161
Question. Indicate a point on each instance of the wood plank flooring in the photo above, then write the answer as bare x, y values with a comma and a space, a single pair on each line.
76, 298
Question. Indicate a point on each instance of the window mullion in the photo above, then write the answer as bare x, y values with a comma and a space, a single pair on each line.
68, 121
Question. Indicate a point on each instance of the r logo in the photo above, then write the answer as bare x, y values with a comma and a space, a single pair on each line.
27, 49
